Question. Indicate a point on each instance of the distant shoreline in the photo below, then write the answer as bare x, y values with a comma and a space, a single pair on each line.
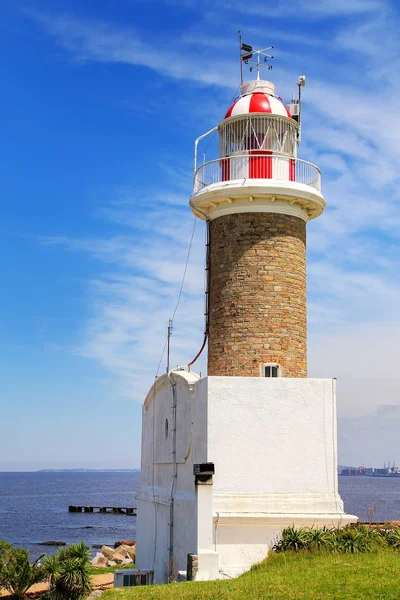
86, 471
76, 471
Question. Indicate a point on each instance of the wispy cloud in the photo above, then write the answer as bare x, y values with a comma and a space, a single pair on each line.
315, 9
97, 41
135, 292
350, 130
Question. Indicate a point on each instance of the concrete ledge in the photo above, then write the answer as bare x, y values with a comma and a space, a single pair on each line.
285, 519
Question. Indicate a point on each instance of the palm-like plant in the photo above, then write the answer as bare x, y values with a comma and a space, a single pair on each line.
355, 540
294, 539
393, 538
320, 538
68, 573
17, 575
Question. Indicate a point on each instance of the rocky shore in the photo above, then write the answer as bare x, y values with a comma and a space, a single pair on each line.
121, 554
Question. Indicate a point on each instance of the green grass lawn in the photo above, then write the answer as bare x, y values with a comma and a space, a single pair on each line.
101, 571
289, 576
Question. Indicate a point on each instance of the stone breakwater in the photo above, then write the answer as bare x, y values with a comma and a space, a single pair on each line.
123, 554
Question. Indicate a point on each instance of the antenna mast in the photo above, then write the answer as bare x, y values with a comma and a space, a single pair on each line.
240, 57
169, 343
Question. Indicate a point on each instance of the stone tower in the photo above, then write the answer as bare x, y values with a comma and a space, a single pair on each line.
257, 198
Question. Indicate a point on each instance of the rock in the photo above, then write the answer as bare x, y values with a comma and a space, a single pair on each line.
131, 551
120, 554
107, 552
112, 563
52, 543
127, 561
125, 543
95, 594
99, 560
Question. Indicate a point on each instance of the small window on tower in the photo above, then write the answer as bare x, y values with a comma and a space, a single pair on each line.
270, 370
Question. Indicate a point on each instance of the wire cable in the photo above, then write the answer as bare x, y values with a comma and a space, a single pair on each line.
161, 357
185, 269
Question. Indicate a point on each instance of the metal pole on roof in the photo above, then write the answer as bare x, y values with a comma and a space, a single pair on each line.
240, 57
169, 342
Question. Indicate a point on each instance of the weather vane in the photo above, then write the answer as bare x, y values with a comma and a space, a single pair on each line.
247, 53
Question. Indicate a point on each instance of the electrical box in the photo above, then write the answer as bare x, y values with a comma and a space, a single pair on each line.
294, 109
132, 577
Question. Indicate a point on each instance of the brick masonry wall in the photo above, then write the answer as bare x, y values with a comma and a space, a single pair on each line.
257, 294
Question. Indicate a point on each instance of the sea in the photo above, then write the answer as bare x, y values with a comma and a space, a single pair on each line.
34, 506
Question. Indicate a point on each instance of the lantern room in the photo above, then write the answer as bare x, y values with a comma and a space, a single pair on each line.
256, 154
258, 137
260, 129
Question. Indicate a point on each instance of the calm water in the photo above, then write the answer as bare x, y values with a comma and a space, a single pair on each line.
360, 493
34, 506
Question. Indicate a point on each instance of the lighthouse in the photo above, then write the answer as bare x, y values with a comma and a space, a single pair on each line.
230, 459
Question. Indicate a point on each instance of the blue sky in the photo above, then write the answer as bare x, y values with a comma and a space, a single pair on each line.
101, 104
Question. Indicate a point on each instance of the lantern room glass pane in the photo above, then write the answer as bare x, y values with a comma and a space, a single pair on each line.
258, 132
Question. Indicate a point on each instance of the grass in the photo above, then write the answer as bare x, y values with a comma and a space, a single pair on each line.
101, 571
292, 576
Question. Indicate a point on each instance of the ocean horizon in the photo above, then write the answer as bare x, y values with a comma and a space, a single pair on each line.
34, 505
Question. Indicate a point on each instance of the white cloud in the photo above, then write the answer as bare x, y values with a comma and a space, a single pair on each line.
350, 130
310, 8
364, 358
131, 302
96, 41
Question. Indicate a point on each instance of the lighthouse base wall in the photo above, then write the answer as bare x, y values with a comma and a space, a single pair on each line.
273, 445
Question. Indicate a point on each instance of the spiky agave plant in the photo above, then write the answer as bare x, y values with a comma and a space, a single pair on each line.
294, 539
68, 573
321, 538
17, 574
393, 538
354, 540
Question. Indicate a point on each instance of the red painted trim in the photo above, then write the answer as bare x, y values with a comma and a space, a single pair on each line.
292, 170
259, 102
260, 167
287, 111
228, 114
226, 169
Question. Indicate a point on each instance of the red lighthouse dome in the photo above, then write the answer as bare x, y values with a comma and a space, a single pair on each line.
258, 97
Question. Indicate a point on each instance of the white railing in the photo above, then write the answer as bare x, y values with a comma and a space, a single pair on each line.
256, 165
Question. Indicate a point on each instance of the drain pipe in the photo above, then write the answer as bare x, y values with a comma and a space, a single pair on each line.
171, 574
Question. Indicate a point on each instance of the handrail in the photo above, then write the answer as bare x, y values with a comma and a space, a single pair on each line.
256, 165
196, 143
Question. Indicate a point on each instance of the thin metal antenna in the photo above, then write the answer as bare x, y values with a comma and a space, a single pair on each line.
240, 57
169, 342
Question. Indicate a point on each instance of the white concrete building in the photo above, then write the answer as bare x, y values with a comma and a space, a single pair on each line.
231, 459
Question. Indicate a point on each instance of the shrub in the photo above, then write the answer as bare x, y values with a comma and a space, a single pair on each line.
294, 539
17, 575
69, 573
321, 538
351, 539
393, 538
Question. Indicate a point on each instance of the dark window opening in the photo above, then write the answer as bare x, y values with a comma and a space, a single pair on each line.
271, 371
